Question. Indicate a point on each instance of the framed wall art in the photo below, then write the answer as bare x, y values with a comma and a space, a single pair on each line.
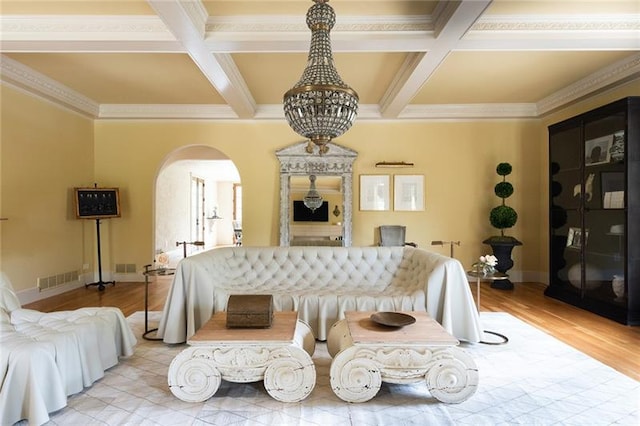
408, 192
374, 192
97, 203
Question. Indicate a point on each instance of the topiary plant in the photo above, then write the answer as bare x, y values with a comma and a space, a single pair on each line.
503, 216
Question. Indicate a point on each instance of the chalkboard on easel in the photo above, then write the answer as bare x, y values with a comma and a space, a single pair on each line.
97, 203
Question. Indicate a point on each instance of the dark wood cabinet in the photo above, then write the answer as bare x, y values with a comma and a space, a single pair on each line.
594, 211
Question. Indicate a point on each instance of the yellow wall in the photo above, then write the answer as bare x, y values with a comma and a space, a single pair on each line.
46, 151
457, 158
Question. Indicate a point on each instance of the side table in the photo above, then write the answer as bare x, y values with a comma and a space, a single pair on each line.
151, 273
496, 276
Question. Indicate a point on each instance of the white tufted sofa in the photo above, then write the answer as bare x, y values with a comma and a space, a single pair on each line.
321, 283
44, 357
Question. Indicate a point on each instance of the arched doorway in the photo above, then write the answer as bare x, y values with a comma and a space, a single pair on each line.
196, 202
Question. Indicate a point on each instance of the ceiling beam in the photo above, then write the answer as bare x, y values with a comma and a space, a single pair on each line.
181, 19
453, 21
184, 27
246, 34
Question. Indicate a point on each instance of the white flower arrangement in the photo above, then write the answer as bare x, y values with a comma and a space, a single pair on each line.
486, 264
162, 260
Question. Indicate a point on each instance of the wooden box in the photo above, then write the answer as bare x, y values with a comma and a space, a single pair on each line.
250, 311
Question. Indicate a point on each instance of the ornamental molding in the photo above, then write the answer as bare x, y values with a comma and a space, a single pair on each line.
166, 111
470, 111
558, 23
133, 27
614, 75
35, 83
289, 23
325, 167
198, 15
74, 27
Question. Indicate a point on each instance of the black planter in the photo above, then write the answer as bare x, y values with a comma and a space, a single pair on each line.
502, 247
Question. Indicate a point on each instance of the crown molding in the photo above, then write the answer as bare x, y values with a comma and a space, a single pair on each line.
166, 112
469, 111
606, 78
40, 85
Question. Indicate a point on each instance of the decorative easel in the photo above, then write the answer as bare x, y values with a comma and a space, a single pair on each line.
97, 203
99, 283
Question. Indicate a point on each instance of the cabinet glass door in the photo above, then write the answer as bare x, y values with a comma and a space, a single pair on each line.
603, 236
566, 186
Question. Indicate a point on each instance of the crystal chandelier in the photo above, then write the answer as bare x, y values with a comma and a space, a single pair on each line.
320, 106
313, 199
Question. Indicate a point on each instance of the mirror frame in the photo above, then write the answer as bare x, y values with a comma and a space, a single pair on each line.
296, 161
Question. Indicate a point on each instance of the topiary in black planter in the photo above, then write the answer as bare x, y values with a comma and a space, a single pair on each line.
502, 217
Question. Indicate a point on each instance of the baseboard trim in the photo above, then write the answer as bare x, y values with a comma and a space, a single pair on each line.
34, 294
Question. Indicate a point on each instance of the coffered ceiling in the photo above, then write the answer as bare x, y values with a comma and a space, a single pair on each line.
216, 59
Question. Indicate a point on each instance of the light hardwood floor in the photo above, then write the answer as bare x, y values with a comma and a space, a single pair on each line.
611, 343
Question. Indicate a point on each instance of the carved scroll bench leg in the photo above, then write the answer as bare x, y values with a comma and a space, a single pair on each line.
291, 376
354, 378
193, 378
454, 377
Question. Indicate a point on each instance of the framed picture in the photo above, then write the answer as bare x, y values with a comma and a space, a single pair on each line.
374, 192
408, 192
596, 151
97, 203
575, 239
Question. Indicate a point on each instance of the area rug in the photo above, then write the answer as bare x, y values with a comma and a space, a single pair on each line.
534, 379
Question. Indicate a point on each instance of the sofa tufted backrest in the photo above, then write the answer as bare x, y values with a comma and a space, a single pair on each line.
261, 269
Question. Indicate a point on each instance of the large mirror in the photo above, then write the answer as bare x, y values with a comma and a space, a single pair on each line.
334, 181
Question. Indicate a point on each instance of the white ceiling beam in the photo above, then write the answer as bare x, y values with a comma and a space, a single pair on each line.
452, 23
214, 39
83, 46
219, 69
246, 34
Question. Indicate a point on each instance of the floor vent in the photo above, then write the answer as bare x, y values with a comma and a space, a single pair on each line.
57, 280
125, 268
